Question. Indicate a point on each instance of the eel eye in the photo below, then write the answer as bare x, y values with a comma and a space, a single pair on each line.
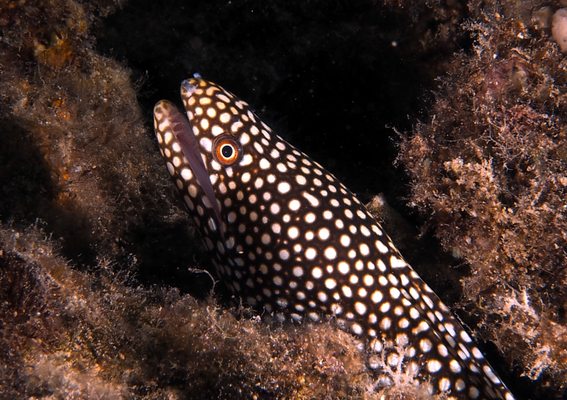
227, 150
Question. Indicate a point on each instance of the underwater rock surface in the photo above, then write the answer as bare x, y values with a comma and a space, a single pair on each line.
489, 169
102, 293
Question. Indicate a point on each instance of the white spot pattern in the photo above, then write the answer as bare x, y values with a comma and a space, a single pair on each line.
304, 246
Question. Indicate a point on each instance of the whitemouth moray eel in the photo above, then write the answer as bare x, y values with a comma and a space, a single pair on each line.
291, 240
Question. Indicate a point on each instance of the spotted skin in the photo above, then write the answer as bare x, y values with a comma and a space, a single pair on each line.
292, 241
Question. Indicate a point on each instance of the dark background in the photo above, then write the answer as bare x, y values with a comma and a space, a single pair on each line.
333, 78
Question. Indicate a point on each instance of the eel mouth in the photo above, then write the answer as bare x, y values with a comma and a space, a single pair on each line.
174, 127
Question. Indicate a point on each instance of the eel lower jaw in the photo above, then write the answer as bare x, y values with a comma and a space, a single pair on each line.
169, 119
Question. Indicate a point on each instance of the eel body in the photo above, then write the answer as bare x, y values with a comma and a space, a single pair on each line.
289, 239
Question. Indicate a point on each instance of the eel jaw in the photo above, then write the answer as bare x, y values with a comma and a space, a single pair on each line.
180, 148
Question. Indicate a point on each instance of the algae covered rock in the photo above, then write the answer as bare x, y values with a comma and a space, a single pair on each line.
102, 288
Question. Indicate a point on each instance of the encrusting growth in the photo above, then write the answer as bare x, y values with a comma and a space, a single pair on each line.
289, 239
